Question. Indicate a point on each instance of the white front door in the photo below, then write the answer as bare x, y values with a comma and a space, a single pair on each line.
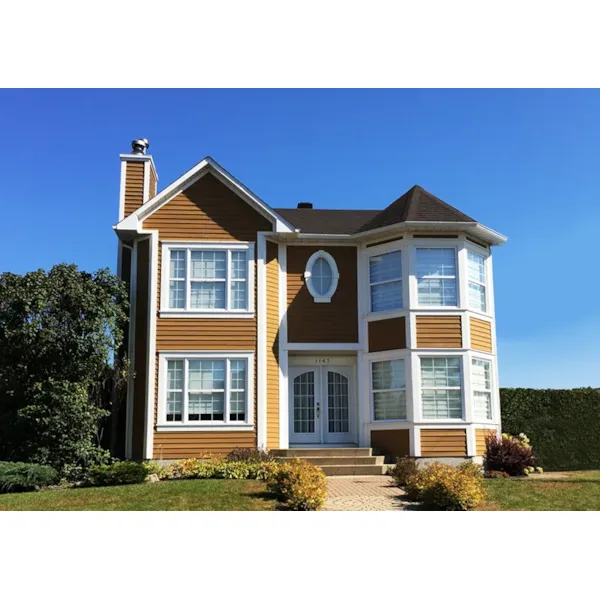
322, 405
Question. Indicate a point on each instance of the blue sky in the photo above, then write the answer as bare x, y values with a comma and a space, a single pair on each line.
524, 162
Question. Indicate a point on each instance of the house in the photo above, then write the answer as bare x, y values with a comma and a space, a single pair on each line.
301, 327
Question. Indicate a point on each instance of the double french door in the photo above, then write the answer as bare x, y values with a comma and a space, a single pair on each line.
322, 405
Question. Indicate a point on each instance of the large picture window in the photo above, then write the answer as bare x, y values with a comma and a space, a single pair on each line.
436, 277
207, 390
477, 281
208, 279
441, 388
385, 280
481, 383
388, 390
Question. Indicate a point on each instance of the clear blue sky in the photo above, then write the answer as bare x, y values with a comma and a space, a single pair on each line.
525, 163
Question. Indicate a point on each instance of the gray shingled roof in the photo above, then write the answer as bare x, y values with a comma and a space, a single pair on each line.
415, 205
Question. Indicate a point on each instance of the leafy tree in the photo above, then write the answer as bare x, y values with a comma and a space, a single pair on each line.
60, 332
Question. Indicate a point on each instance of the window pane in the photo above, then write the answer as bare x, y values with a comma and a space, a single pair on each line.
208, 264
389, 405
238, 295
440, 372
177, 294
206, 407
436, 262
206, 375
442, 404
321, 276
174, 406
237, 374
386, 296
388, 374
482, 405
237, 408
480, 374
177, 266
477, 296
175, 375
207, 295
239, 265
437, 292
385, 267
437, 374
476, 267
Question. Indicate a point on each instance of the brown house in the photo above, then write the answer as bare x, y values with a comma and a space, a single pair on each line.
293, 328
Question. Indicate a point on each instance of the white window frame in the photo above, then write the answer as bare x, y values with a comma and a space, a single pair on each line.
228, 247
226, 424
335, 276
488, 285
405, 389
462, 388
424, 244
474, 389
371, 255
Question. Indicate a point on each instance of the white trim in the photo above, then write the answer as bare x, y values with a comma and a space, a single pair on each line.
261, 341
284, 438
335, 276
122, 190
146, 194
131, 354
225, 313
322, 347
163, 357
151, 364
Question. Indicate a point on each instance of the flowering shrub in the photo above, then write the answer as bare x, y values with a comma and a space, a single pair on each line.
298, 485
405, 468
511, 454
217, 468
250, 455
496, 475
443, 487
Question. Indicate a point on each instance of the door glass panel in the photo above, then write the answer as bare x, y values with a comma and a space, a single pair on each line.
304, 403
337, 403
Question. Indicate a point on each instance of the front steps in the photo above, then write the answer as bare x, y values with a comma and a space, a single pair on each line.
338, 461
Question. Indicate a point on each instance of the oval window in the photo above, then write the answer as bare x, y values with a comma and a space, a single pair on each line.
321, 276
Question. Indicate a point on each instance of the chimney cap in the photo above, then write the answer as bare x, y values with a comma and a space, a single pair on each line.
140, 146
305, 204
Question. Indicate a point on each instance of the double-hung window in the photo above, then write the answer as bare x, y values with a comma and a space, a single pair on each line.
385, 280
441, 389
436, 277
207, 391
388, 390
481, 383
477, 281
208, 279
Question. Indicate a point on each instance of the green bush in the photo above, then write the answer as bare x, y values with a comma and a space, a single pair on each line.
217, 468
251, 455
298, 485
442, 487
403, 470
562, 424
25, 477
118, 473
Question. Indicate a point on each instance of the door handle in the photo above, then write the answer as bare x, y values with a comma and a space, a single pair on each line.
318, 409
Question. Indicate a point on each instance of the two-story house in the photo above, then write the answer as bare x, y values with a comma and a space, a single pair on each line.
302, 327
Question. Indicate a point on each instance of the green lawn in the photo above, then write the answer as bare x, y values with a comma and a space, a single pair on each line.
200, 494
578, 491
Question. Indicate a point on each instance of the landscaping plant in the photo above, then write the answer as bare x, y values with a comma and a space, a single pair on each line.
403, 470
25, 477
298, 485
118, 473
511, 454
251, 455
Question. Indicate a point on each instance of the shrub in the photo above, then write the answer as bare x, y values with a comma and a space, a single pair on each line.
496, 475
25, 477
250, 455
218, 468
511, 454
298, 485
118, 473
443, 487
403, 470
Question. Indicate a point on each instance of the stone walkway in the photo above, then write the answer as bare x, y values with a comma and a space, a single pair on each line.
369, 492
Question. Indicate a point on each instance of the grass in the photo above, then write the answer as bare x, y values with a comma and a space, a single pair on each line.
575, 491
200, 494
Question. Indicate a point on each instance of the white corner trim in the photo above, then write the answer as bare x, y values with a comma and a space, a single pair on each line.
131, 354
284, 427
335, 276
261, 341
122, 190
146, 194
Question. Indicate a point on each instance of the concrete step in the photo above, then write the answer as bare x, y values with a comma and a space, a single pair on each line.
321, 461
322, 452
332, 470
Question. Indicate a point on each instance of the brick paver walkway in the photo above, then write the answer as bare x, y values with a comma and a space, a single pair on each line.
370, 492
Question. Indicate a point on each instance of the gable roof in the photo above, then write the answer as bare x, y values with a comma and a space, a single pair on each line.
323, 221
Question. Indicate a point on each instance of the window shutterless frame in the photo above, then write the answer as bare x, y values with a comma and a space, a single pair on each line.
205, 425
229, 248
323, 296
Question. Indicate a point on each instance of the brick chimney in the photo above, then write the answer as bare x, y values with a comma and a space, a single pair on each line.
138, 178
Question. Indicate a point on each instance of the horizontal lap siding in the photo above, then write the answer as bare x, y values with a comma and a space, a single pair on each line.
481, 335
272, 345
392, 442
387, 334
311, 322
480, 437
134, 186
439, 331
206, 211
152, 190
443, 442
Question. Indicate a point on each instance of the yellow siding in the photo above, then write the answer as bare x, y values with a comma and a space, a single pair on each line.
272, 345
439, 331
134, 186
481, 335
443, 442
480, 436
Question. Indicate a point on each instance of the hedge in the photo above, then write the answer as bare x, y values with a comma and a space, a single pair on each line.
563, 425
